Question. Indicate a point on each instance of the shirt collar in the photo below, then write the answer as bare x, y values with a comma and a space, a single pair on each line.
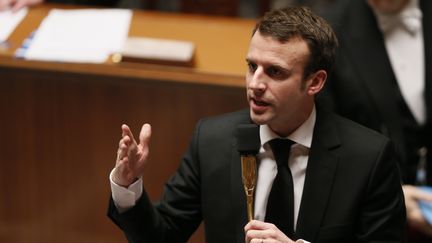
302, 135
409, 19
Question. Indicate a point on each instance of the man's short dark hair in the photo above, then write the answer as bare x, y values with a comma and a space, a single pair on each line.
301, 22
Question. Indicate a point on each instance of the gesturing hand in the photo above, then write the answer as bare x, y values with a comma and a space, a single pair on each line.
131, 156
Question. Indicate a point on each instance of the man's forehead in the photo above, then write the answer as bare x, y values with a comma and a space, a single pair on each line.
270, 44
268, 51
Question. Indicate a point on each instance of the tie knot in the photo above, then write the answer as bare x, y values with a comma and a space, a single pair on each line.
281, 149
409, 19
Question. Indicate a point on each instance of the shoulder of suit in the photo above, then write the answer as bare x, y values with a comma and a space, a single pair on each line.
217, 129
236, 117
355, 130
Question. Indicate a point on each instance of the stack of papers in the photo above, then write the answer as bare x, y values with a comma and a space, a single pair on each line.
85, 35
8, 22
160, 51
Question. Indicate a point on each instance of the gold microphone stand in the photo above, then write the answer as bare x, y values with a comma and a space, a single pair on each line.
248, 165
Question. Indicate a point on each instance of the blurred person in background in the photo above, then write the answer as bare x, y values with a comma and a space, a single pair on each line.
383, 80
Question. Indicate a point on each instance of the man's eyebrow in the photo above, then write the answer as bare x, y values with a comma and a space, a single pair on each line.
275, 65
272, 65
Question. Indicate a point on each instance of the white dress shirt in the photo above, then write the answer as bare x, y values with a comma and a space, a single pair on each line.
297, 162
403, 35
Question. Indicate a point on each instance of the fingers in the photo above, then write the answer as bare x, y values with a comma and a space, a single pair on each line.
123, 174
131, 157
123, 149
423, 196
258, 231
145, 135
126, 144
256, 224
127, 132
250, 228
259, 241
415, 193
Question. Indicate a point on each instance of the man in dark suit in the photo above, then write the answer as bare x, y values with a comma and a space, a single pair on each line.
383, 80
344, 178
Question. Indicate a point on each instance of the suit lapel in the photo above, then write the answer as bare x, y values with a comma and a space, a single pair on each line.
320, 172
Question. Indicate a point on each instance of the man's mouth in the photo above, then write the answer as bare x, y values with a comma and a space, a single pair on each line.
259, 102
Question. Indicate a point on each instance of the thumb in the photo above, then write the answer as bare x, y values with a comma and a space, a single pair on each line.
145, 135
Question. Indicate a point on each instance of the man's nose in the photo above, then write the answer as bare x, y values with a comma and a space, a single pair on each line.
257, 80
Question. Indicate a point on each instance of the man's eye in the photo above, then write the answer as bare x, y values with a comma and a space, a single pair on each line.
252, 67
274, 72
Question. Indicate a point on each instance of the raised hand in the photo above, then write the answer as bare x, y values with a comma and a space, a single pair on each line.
131, 155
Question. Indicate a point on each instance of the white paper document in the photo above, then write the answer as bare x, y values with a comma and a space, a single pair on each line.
9, 21
85, 35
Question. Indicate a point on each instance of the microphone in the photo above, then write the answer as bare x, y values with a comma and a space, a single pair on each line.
248, 144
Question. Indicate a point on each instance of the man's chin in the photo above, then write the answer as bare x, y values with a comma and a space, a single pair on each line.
259, 119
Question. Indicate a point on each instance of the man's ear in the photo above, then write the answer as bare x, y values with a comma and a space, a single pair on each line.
316, 82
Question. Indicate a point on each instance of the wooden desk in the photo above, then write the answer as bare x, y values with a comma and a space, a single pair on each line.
221, 44
60, 123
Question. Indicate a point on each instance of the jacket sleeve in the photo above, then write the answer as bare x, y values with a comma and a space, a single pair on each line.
383, 216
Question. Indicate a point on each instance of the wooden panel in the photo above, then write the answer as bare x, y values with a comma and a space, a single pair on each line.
214, 7
59, 133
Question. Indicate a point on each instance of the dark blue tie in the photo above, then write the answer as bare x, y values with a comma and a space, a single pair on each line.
280, 205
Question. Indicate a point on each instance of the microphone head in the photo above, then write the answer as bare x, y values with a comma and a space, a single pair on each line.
248, 139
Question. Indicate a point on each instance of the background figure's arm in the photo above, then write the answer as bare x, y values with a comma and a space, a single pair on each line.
414, 215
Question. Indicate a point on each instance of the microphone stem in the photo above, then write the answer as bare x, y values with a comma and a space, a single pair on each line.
250, 210
248, 163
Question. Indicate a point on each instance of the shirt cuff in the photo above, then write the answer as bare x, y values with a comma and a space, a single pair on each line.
302, 241
125, 197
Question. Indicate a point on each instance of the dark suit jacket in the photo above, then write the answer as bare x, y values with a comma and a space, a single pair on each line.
363, 87
352, 189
